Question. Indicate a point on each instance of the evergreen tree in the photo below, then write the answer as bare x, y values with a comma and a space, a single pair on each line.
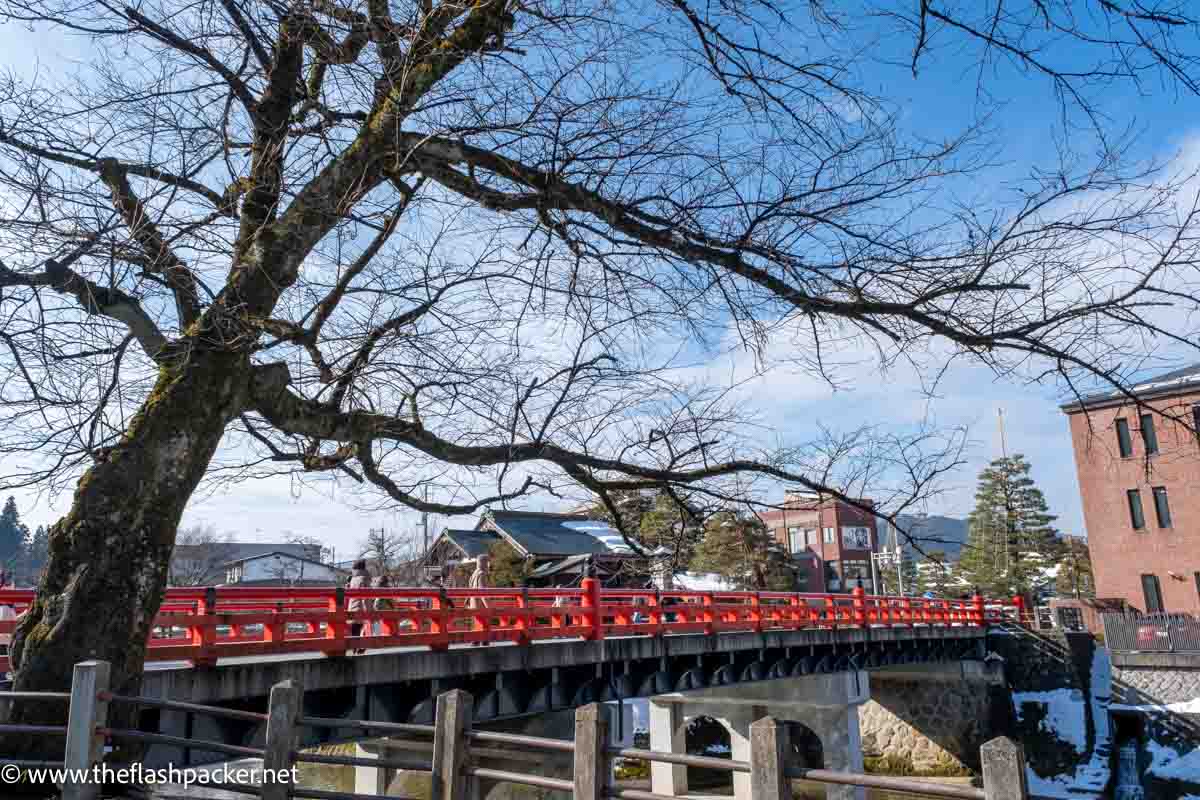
658, 521
935, 574
507, 567
12, 532
742, 551
1075, 570
1011, 538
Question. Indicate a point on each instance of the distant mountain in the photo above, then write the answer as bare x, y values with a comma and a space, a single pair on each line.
932, 533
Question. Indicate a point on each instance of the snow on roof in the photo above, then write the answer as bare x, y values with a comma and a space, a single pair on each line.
703, 582
601, 530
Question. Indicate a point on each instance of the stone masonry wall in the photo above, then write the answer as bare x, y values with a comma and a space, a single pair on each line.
1155, 686
933, 725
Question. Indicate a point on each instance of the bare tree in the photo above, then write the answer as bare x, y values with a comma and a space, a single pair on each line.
200, 551
377, 242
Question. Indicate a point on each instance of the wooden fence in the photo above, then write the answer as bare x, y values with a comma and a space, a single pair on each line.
454, 742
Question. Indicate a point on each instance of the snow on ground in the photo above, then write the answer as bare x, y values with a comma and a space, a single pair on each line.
1065, 718
1187, 707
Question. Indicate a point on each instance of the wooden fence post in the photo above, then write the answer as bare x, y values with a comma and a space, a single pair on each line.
1004, 770
769, 751
85, 748
453, 720
287, 698
591, 738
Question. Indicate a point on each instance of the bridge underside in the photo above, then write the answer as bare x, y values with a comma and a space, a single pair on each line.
510, 681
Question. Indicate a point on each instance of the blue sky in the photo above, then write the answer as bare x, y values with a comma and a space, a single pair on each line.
940, 101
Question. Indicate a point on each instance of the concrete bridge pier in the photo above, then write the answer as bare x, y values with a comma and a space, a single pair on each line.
822, 710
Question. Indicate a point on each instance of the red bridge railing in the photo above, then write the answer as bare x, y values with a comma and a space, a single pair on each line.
202, 625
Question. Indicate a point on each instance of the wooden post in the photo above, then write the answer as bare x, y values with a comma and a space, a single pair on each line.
859, 605
85, 748
769, 751
1004, 770
287, 698
450, 745
591, 737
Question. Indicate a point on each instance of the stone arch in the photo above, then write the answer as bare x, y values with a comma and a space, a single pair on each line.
807, 750
708, 736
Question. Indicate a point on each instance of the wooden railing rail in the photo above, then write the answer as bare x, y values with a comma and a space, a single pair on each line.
455, 751
201, 626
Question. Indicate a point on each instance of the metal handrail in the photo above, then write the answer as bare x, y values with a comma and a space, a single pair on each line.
352, 761
541, 782
179, 741
40, 730
887, 782
176, 705
707, 762
11, 695
496, 737
363, 724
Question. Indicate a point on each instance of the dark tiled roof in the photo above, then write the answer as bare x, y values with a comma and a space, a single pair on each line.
473, 543
554, 534
1169, 382
238, 551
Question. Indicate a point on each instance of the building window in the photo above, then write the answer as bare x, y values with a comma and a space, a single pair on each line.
1149, 439
855, 570
1124, 443
829, 535
1196, 421
856, 538
1135, 509
796, 540
1196, 575
810, 536
1162, 508
1153, 594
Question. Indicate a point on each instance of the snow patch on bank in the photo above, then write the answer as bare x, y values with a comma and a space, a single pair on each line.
1066, 720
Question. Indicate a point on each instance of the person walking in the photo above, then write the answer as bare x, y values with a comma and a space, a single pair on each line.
360, 578
479, 580
382, 603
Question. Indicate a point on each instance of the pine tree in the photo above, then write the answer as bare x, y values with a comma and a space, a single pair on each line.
506, 568
1075, 570
742, 551
935, 574
12, 533
1011, 538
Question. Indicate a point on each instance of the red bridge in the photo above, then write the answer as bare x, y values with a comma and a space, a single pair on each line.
205, 625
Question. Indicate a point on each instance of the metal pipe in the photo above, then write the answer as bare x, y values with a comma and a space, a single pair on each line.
395, 727
351, 761
888, 782
34, 696
179, 741
40, 730
553, 784
708, 762
231, 713
495, 737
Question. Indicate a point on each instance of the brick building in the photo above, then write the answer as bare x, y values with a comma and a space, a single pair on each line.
1139, 480
830, 541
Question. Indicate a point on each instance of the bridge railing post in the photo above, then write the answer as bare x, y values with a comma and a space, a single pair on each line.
85, 748
591, 763
770, 749
284, 708
1019, 603
335, 626
450, 726
1003, 762
593, 616
859, 605
204, 632
977, 609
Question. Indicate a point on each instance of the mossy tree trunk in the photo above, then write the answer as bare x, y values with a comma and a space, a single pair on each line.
109, 555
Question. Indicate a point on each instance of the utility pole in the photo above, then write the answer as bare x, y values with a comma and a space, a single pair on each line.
425, 523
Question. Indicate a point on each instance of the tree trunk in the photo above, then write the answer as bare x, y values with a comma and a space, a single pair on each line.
109, 555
